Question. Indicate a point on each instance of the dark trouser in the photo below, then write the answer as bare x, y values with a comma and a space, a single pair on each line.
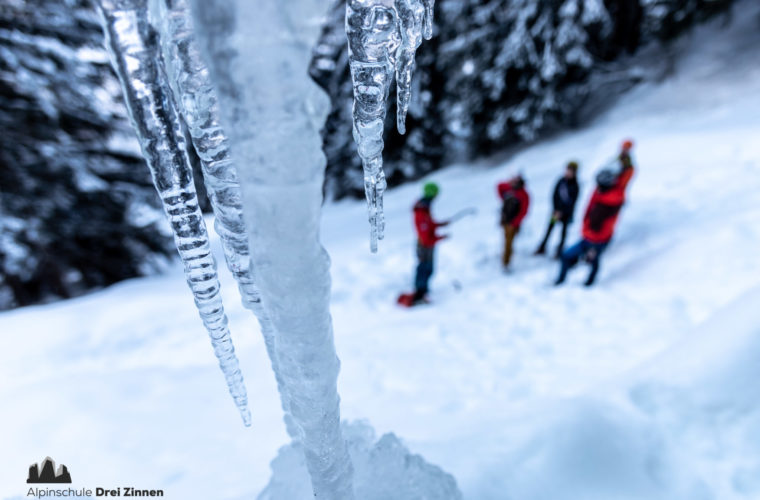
424, 270
561, 246
583, 249
509, 237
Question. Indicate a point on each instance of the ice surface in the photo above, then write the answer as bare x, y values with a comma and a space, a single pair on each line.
196, 99
133, 46
384, 469
258, 55
383, 37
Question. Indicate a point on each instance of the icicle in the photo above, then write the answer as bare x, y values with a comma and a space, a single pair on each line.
133, 46
383, 38
197, 102
258, 54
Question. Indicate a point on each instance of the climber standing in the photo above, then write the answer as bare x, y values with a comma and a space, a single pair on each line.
563, 204
601, 216
427, 238
515, 202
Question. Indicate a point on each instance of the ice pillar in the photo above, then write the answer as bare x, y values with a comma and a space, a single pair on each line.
258, 54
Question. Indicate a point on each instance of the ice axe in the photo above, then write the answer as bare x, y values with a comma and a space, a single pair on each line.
462, 214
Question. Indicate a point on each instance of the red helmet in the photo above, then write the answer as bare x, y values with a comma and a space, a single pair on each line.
627, 145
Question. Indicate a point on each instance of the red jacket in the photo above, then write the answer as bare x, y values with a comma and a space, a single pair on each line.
603, 209
425, 224
521, 195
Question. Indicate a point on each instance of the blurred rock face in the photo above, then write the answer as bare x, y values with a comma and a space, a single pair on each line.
77, 209
498, 73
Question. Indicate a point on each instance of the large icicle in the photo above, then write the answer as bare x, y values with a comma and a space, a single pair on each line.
133, 46
196, 99
258, 55
383, 37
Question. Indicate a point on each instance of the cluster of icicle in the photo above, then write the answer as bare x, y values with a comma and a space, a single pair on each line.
383, 37
166, 87
165, 84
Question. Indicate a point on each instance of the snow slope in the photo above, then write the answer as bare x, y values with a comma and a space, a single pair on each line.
643, 387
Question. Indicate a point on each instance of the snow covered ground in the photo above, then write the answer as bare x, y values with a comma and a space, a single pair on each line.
644, 387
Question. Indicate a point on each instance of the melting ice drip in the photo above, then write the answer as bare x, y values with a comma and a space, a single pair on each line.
383, 37
133, 45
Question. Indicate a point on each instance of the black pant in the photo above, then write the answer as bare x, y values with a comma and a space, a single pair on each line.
561, 246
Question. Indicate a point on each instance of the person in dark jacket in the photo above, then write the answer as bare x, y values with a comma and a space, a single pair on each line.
600, 218
563, 201
427, 238
515, 203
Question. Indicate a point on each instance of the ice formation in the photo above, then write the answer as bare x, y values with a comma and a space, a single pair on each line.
258, 54
385, 469
268, 211
133, 47
383, 37
197, 102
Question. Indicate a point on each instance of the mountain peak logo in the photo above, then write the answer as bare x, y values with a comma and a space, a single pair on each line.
48, 474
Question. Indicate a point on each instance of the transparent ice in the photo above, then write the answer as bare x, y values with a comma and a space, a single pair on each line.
385, 469
196, 99
258, 55
383, 37
135, 55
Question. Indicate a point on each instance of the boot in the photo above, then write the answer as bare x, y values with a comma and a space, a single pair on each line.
591, 277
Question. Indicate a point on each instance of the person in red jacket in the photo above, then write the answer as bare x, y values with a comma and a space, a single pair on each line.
601, 216
427, 238
515, 203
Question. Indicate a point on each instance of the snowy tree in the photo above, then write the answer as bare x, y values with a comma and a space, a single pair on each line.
664, 19
77, 210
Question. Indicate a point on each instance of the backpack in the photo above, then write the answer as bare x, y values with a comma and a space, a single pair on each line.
509, 208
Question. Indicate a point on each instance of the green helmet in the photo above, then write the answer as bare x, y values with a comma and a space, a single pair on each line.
430, 190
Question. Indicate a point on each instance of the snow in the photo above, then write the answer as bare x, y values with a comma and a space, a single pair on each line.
644, 387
